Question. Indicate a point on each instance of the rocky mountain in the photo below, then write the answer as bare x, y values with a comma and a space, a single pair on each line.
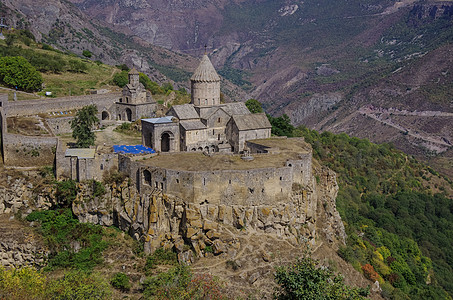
378, 69
62, 25
321, 63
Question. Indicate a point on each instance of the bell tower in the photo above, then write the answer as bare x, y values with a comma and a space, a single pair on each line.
205, 84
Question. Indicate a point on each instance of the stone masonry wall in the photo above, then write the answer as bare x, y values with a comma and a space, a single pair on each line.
2, 131
60, 125
33, 107
29, 151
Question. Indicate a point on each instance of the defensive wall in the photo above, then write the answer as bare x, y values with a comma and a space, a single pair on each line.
104, 102
221, 179
28, 151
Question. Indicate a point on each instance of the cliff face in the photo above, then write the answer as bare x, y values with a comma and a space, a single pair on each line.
163, 221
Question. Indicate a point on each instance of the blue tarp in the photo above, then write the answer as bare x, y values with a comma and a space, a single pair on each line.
132, 149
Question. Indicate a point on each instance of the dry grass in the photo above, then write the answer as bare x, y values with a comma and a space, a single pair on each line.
29, 126
199, 162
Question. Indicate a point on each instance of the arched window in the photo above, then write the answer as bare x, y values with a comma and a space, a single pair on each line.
147, 177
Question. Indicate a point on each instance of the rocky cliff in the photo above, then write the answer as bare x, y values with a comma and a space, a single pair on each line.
163, 221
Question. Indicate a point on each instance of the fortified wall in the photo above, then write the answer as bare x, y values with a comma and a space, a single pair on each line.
33, 151
204, 200
29, 151
3, 100
104, 102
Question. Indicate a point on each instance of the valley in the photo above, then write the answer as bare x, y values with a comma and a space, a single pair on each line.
367, 85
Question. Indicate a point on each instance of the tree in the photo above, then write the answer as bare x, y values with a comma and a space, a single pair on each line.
9, 39
254, 106
304, 280
87, 53
281, 126
16, 71
121, 79
82, 126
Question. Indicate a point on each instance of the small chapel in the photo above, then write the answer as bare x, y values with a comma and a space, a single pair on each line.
206, 124
136, 101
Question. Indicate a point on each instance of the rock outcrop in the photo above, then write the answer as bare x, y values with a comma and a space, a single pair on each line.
20, 195
165, 221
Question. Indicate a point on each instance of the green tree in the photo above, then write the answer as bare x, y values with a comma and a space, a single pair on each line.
254, 106
87, 53
9, 39
281, 126
16, 71
121, 79
82, 126
304, 280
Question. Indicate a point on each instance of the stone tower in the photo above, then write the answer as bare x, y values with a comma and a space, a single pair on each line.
205, 84
134, 77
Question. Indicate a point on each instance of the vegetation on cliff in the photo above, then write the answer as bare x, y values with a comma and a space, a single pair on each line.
398, 214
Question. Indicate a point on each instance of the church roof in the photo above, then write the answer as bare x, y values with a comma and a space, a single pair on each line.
251, 121
163, 120
192, 125
184, 112
236, 108
205, 71
133, 72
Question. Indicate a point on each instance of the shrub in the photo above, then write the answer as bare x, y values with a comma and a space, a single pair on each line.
120, 281
98, 188
304, 280
369, 272
87, 53
21, 283
78, 285
66, 193
162, 257
62, 231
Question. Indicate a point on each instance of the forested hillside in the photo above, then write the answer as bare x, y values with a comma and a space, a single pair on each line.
398, 215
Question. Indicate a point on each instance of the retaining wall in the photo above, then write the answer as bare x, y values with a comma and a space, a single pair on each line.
28, 151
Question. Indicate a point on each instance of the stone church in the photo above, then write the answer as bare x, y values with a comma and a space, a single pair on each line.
136, 102
205, 124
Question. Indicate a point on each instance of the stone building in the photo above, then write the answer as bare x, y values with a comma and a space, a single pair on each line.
136, 102
205, 124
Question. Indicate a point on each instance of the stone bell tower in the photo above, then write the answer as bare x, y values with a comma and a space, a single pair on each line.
205, 84
134, 77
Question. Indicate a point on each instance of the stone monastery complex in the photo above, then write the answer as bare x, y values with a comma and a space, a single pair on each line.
205, 150
215, 168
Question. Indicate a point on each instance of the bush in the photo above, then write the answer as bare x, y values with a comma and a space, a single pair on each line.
66, 193
120, 281
79, 285
72, 244
304, 280
161, 257
98, 188
21, 283
179, 283
87, 53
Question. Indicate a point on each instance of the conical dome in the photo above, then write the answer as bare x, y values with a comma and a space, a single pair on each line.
133, 71
205, 71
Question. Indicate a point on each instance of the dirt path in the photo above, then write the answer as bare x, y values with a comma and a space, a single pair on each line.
110, 137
